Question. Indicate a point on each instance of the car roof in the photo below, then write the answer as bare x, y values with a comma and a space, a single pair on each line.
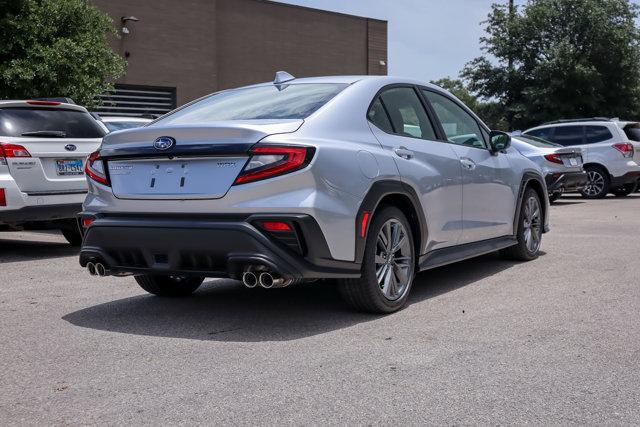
349, 79
41, 104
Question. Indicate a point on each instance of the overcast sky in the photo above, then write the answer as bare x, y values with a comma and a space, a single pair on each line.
428, 39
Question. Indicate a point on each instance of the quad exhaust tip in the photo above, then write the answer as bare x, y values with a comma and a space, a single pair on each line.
266, 280
249, 279
91, 268
96, 269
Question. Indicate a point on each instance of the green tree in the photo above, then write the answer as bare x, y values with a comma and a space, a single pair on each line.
571, 58
491, 112
55, 49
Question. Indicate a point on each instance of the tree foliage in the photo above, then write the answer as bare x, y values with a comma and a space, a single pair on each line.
55, 49
491, 112
571, 58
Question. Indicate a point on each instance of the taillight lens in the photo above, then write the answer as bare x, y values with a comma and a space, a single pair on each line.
94, 168
269, 161
12, 150
3, 197
554, 158
625, 148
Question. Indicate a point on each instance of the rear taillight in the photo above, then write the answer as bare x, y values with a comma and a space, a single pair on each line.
8, 151
554, 158
94, 168
625, 148
3, 197
268, 161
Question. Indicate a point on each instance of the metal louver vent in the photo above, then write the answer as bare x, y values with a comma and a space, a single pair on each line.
136, 100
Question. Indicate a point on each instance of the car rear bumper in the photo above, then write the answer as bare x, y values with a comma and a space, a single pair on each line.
211, 246
41, 213
628, 178
566, 182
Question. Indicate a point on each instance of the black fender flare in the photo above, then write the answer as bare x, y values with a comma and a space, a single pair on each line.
527, 178
378, 191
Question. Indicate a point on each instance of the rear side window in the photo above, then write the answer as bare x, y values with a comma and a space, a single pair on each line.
378, 116
568, 135
294, 101
545, 133
408, 116
633, 132
48, 123
597, 134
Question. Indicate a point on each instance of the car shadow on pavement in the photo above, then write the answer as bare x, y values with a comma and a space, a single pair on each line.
224, 310
30, 250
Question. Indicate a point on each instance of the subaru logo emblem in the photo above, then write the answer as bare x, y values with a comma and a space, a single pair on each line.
70, 147
164, 143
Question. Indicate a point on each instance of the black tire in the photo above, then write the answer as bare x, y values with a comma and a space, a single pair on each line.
366, 294
625, 190
522, 251
599, 183
554, 197
169, 286
72, 235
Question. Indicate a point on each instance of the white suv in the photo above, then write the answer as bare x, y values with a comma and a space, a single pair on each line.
610, 148
43, 148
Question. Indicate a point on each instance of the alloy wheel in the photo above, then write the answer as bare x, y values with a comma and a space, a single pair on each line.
595, 183
532, 224
393, 260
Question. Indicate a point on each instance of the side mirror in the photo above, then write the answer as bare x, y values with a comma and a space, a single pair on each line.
499, 141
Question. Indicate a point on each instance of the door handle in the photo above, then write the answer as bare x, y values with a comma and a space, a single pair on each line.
467, 163
403, 152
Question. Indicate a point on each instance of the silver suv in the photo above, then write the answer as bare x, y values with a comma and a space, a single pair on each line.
365, 179
609, 148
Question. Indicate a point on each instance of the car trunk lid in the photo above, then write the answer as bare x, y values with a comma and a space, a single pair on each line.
187, 162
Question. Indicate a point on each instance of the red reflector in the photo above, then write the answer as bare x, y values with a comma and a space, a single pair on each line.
363, 224
276, 226
3, 197
554, 158
87, 221
36, 102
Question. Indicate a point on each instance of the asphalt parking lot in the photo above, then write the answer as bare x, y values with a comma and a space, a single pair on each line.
556, 340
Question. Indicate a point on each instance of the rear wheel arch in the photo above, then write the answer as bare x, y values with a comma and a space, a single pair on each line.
535, 182
597, 165
396, 194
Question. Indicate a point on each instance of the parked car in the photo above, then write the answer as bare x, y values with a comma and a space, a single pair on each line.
610, 152
310, 178
114, 123
43, 146
562, 167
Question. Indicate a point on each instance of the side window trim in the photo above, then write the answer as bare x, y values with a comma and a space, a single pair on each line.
386, 112
434, 124
466, 109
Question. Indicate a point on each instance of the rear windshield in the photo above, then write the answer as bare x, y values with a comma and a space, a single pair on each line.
537, 142
48, 123
633, 132
296, 101
114, 126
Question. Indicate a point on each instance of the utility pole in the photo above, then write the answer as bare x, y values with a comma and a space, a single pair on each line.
512, 11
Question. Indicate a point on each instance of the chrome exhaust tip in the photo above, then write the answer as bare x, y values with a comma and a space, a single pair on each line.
266, 280
100, 269
91, 268
249, 279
